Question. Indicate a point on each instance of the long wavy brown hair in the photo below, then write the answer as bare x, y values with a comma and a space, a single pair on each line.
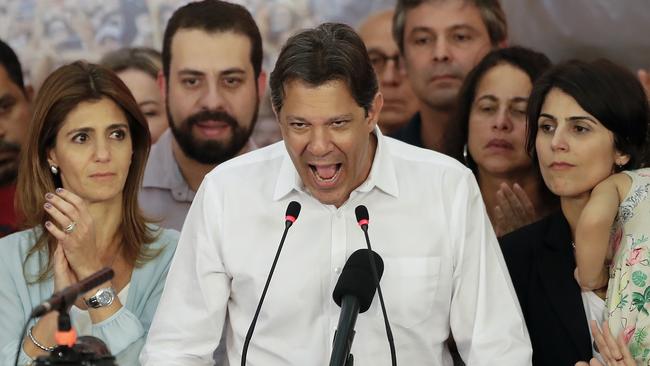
62, 91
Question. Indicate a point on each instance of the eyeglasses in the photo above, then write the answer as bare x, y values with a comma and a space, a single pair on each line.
379, 60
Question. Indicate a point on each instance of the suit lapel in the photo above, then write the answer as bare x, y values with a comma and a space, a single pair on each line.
556, 261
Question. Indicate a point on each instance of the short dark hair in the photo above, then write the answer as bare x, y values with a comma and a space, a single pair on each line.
610, 93
9, 61
531, 62
214, 16
143, 59
331, 51
491, 13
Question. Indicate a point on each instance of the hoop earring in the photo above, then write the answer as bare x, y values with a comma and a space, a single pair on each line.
54, 169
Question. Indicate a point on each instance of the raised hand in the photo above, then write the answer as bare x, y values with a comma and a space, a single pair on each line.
614, 352
513, 210
74, 229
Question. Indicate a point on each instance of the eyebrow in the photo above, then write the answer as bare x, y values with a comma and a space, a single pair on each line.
233, 70
229, 71
494, 99
452, 28
7, 98
147, 102
90, 129
570, 119
190, 72
343, 117
457, 27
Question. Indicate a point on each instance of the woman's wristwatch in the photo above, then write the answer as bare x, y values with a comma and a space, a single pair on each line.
103, 297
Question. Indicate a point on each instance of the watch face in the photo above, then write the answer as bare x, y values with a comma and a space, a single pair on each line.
105, 298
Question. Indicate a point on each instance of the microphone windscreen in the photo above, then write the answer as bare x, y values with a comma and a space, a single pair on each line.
96, 279
293, 210
357, 280
362, 213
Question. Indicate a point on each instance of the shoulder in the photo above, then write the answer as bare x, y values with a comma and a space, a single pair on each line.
14, 249
18, 244
412, 157
256, 162
166, 239
522, 242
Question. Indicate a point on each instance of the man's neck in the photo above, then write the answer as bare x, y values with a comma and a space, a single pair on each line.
191, 170
438, 132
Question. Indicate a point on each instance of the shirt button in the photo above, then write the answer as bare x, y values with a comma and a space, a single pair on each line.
337, 270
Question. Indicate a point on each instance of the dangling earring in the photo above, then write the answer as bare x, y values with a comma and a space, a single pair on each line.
54, 169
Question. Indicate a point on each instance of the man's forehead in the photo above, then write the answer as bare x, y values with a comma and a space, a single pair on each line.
376, 33
328, 100
200, 50
444, 15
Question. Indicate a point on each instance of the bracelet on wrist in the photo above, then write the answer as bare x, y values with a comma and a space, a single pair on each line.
36, 343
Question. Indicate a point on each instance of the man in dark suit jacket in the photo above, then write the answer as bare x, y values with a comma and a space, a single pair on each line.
541, 263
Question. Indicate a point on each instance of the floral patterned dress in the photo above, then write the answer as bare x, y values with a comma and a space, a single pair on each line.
628, 292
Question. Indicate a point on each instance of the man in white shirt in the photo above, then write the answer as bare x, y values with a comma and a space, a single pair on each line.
212, 82
443, 268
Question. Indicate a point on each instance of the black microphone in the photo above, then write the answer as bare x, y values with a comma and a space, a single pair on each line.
354, 291
363, 220
293, 210
60, 300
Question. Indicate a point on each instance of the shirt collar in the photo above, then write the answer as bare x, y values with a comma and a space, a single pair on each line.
382, 173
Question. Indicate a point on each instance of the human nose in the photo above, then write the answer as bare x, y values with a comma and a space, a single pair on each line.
212, 98
502, 120
102, 151
390, 73
441, 50
559, 141
320, 142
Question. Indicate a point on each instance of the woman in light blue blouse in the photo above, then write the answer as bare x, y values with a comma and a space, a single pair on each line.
77, 186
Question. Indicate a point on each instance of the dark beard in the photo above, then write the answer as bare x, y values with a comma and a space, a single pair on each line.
9, 167
210, 151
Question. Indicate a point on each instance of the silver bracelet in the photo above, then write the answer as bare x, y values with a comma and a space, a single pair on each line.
31, 336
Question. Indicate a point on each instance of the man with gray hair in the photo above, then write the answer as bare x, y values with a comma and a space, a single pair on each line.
443, 267
400, 103
441, 41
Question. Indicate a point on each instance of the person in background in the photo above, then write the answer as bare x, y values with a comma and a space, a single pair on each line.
400, 103
15, 113
77, 187
440, 42
492, 114
212, 82
587, 120
139, 68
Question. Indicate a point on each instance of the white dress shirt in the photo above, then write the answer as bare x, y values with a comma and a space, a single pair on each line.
443, 268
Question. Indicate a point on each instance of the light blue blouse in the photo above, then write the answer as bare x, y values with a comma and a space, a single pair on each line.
124, 333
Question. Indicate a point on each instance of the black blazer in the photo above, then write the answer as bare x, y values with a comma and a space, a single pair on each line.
541, 262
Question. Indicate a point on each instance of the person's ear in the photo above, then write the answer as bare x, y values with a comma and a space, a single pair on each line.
375, 110
261, 84
621, 159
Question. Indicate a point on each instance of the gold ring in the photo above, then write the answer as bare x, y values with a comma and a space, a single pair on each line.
70, 228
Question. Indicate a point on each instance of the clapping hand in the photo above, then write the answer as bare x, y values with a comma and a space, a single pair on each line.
74, 229
513, 210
